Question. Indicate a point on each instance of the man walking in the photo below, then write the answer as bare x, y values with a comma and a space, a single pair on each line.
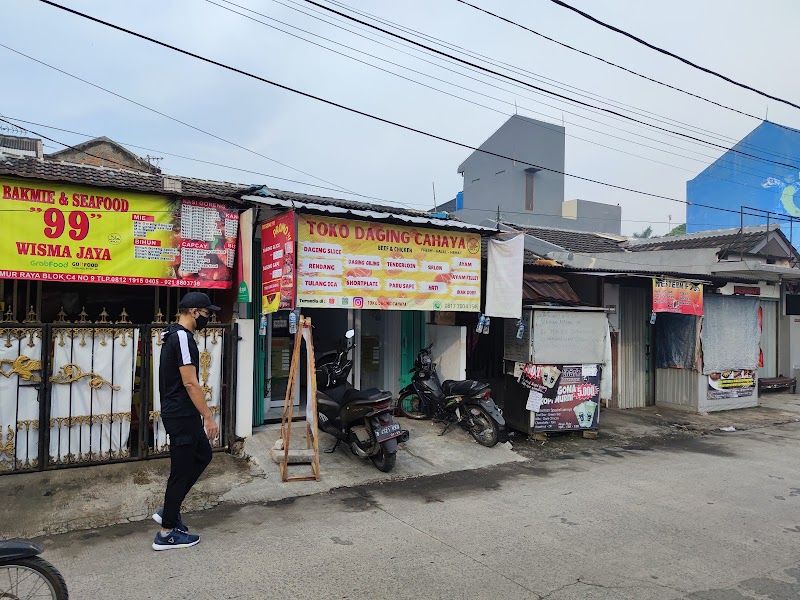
186, 416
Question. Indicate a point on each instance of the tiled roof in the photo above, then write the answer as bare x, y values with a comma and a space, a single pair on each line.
342, 203
120, 179
729, 240
573, 241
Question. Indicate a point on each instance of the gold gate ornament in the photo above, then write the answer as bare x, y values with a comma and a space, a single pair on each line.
71, 373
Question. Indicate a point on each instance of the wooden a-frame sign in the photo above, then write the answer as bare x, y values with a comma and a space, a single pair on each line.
311, 454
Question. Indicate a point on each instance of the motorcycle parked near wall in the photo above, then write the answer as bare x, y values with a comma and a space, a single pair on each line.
360, 418
467, 403
23, 574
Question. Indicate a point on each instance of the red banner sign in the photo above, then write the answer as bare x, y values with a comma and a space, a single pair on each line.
677, 296
277, 263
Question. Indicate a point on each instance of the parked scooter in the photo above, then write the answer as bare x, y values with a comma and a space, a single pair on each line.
360, 418
467, 403
23, 574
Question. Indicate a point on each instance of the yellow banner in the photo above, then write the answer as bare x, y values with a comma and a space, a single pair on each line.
359, 264
63, 232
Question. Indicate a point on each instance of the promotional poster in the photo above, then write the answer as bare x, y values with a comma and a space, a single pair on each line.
564, 397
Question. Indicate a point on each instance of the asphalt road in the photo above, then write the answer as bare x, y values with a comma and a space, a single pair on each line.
713, 518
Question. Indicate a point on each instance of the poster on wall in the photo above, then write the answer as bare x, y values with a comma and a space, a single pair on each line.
564, 397
677, 296
358, 264
277, 263
731, 384
70, 233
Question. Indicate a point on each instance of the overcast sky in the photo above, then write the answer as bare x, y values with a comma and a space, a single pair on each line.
743, 39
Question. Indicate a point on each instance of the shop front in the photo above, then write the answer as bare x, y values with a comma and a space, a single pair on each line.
712, 346
89, 277
385, 278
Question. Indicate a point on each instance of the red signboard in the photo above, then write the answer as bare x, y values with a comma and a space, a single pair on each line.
277, 263
677, 296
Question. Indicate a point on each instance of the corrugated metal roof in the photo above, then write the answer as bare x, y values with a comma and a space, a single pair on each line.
344, 208
23, 144
544, 287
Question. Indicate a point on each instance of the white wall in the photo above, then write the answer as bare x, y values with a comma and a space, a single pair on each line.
244, 378
449, 350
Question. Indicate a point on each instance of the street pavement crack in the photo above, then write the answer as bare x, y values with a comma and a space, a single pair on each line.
464, 554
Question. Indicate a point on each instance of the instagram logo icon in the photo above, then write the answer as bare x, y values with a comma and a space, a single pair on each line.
358, 302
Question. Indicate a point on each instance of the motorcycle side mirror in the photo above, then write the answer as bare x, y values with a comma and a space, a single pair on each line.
350, 334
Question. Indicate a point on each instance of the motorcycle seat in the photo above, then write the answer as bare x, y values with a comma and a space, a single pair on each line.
368, 395
467, 387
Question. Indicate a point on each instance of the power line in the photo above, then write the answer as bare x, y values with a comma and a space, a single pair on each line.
504, 212
608, 62
546, 126
671, 54
371, 116
527, 84
189, 125
199, 160
537, 77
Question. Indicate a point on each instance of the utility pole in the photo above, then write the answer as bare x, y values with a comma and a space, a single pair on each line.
435, 206
498, 217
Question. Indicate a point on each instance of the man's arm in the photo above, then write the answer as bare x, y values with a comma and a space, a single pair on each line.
189, 377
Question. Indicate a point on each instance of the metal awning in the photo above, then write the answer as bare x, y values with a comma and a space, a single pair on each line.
755, 270
337, 211
543, 287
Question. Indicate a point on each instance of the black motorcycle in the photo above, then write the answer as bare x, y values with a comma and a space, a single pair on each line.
360, 418
467, 403
23, 574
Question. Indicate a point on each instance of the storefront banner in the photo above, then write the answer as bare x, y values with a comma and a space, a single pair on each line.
277, 263
63, 232
676, 296
359, 264
563, 397
731, 384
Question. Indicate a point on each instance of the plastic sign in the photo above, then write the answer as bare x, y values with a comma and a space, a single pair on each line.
63, 232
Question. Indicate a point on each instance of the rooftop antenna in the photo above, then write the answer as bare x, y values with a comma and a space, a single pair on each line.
435, 206
516, 112
154, 160
767, 117
669, 223
498, 217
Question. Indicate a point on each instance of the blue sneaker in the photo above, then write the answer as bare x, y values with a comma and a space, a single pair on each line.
175, 540
158, 517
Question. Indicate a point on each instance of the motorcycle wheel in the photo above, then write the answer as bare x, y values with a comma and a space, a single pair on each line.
412, 407
384, 460
32, 578
481, 426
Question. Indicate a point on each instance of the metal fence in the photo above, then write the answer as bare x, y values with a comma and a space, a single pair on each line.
86, 392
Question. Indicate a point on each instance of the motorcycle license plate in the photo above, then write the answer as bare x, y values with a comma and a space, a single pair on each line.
387, 432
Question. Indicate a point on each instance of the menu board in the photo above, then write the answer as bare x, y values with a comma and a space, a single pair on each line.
277, 263
563, 397
70, 233
358, 264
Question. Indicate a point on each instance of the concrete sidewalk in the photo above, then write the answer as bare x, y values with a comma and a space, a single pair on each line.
91, 497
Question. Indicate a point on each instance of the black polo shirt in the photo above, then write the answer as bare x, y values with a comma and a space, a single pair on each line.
178, 349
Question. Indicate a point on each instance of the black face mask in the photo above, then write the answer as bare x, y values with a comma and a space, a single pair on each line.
200, 322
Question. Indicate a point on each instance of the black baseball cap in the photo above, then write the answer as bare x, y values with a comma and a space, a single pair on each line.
197, 300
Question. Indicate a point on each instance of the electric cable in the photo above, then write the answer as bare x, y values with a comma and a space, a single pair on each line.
685, 61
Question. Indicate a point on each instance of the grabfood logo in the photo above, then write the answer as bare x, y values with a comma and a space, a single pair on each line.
358, 302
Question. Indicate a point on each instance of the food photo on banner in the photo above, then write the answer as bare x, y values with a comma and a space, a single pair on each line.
563, 397
63, 232
278, 263
731, 384
357, 264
